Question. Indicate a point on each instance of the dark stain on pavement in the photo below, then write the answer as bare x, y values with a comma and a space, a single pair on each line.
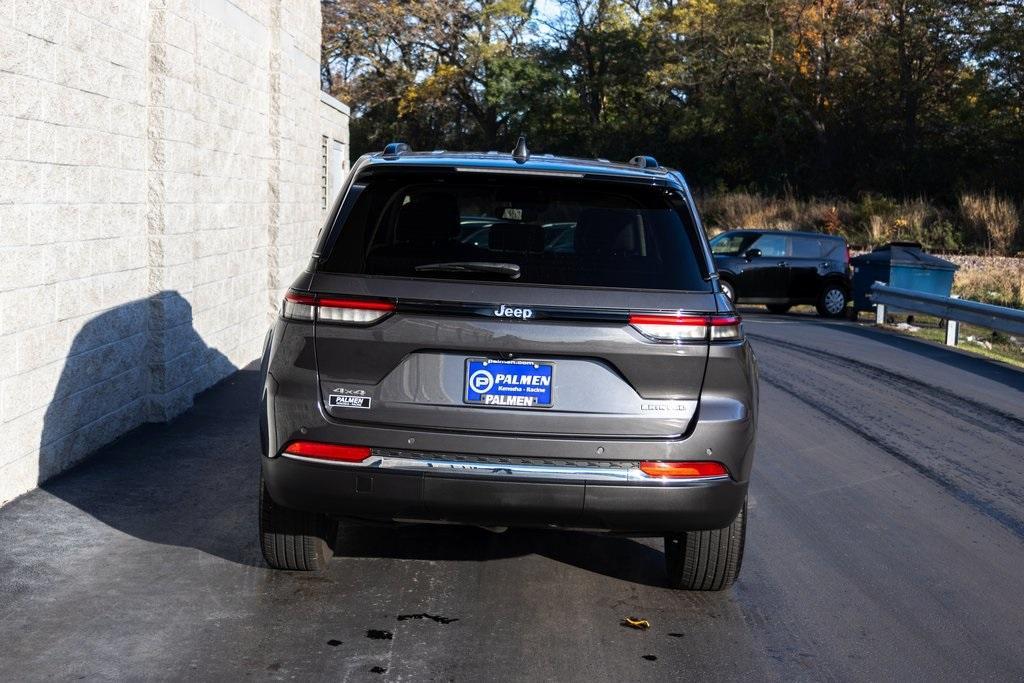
424, 615
676, 635
378, 670
651, 658
377, 634
334, 642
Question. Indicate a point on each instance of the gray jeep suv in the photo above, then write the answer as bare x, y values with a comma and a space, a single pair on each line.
510, 340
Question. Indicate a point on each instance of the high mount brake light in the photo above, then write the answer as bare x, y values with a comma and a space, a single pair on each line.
684, 469
678, 327
328, 309
327, 451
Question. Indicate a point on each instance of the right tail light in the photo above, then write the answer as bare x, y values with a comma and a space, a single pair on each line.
685, 469
671, 327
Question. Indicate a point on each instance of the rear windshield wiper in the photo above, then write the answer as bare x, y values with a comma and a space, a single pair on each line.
510, 269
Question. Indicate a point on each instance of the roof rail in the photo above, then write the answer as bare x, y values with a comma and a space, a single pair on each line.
393, 150
644, 162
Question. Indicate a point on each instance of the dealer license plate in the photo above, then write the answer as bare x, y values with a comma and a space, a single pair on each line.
509, 383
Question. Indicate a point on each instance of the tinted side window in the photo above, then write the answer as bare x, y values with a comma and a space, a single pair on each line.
730, 245
833, 248
772, 245
806, 247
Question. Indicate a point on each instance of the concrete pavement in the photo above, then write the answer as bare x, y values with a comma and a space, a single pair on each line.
886, 540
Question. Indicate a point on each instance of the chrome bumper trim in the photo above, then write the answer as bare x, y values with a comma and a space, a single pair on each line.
596, 474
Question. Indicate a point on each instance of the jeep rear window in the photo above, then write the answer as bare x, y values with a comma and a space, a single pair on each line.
551, 231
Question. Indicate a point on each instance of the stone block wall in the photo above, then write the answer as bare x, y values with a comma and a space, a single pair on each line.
160, 184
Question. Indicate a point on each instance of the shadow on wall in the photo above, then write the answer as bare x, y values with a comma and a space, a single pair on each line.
168, 482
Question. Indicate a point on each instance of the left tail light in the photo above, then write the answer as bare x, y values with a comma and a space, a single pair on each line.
327, 309
668, 327
327, 451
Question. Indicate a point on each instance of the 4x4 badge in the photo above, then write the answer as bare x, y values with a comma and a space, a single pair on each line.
343, 397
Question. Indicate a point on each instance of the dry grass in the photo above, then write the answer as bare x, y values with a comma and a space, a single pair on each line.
752, 210
995, 284
991, 220
746, 210
986, 222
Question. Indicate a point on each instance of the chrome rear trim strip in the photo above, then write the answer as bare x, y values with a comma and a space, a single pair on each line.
613, 475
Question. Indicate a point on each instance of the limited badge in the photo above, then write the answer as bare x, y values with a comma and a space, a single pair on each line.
346, 401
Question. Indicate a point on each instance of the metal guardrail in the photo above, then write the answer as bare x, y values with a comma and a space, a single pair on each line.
951, 309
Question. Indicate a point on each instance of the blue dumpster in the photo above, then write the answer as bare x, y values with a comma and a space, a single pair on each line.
900, 264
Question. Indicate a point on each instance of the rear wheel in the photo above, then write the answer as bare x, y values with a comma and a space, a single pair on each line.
778, 308
294, 539
832, 301
706, 560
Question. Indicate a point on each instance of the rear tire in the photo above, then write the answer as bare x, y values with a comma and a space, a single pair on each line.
832, 301
707, 560
778, 308
294, 539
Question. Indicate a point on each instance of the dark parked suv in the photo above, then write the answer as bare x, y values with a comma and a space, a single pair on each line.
782, 269
506, 340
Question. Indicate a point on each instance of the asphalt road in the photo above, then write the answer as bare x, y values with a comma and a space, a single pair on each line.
886, 541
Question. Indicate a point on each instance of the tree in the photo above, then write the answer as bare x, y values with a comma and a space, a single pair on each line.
810, 96
425, 67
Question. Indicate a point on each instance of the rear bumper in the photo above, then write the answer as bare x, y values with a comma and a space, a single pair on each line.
394, 494
723, 431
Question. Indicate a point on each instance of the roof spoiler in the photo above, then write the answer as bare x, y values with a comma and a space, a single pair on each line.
644, 162
393, 150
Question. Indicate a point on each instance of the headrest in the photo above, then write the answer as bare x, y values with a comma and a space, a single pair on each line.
516, 237
607, 232
428, 218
